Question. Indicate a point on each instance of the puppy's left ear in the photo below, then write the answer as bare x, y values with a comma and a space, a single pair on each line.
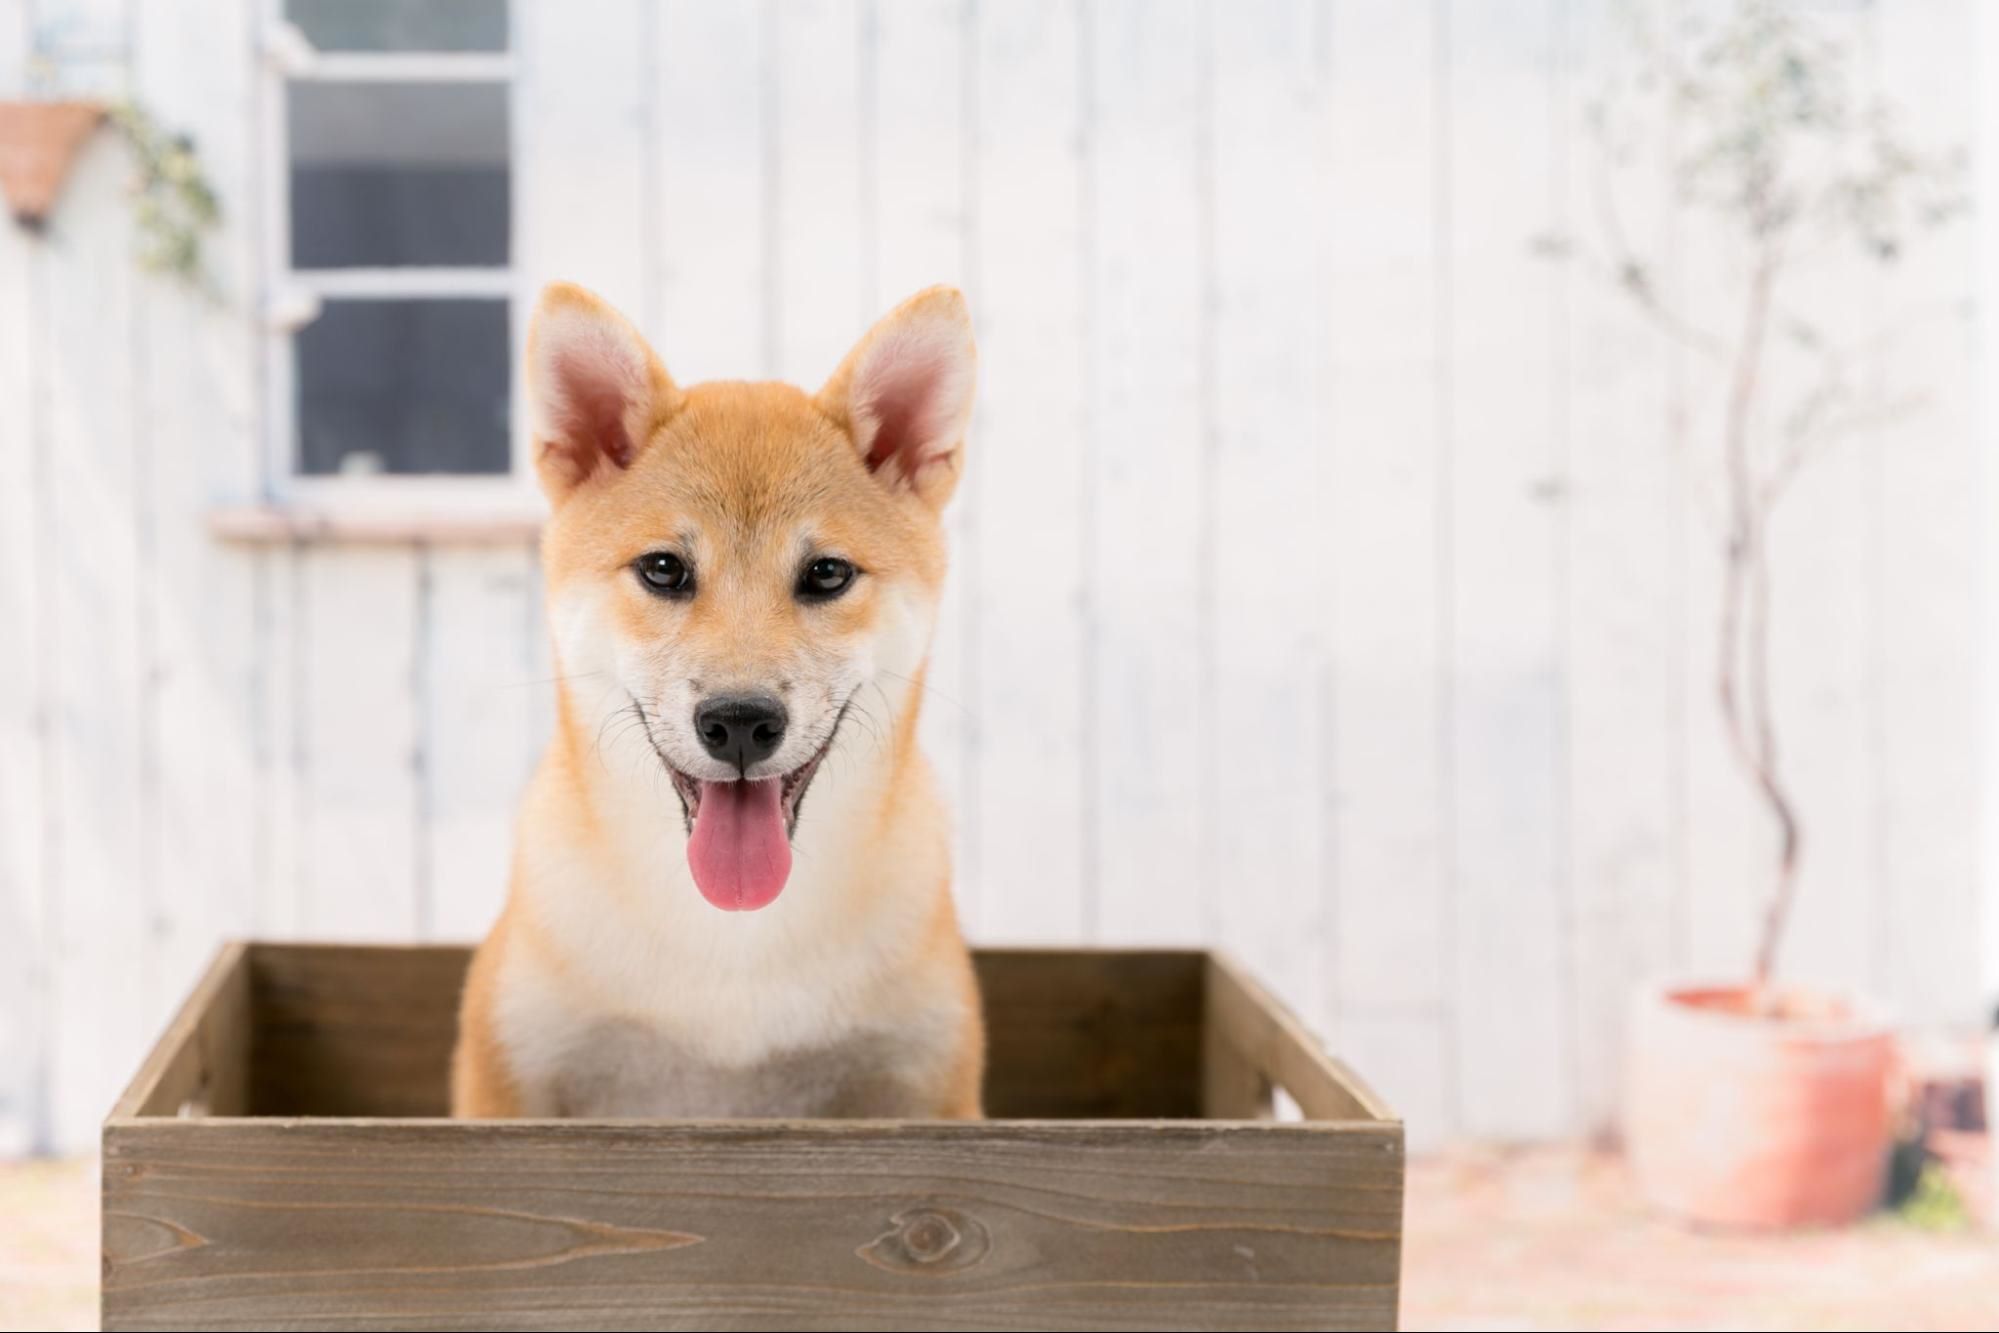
905, 394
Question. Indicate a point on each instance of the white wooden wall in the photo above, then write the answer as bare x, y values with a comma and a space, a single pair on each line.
1324, 584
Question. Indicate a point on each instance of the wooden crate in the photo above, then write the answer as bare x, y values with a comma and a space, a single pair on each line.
280, 1162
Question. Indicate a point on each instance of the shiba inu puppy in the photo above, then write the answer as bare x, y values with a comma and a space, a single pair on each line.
731, 884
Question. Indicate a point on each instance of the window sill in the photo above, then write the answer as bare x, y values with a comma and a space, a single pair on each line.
287, 523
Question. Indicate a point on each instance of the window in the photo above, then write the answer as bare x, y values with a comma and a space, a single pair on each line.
391, 239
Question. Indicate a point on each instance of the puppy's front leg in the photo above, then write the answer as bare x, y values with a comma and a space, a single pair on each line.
482, 1087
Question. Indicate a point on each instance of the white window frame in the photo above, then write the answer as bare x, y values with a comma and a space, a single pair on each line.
293, 297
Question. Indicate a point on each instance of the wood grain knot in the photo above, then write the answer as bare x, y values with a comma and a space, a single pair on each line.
928, 1240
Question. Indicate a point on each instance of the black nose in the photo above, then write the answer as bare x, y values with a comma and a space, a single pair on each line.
740, 729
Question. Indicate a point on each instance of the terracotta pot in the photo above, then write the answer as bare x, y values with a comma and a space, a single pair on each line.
1735, 1118
38, 142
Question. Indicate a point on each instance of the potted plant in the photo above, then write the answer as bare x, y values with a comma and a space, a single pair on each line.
38, 143
173, 202
1751, 1102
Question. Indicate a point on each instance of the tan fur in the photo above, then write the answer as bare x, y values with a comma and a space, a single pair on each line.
608, 986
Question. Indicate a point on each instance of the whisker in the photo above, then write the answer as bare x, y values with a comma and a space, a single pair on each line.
887, 704
549, 680
927, 688
626, 718
867, 718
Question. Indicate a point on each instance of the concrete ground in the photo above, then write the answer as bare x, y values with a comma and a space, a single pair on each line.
48, 1245
1548, 1238
1554, 1238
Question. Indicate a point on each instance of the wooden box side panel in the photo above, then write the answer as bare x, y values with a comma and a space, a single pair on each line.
594, 1225
201, 1062
1252, 1042
353, 1030
1091, 1034
368, 1030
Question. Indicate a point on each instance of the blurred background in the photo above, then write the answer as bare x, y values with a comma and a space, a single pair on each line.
1342, 578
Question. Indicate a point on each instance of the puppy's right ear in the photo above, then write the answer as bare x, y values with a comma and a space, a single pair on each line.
596, 392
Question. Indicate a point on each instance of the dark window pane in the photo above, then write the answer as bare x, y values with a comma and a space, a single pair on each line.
396, 174
405, 387
401, 25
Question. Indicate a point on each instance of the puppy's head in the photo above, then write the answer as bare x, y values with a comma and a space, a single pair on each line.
731, 564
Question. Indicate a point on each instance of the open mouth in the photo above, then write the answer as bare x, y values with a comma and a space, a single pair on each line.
739, 830
790, 787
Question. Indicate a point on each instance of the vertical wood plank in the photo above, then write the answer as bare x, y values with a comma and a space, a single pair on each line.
479, 690
916, 148
279, 855
1625, 576
712, 174
1025, 487
25, 953
1264, 899
1385, 441
16, 48
101, 940
822, 303
1507, 437
1931, 526
83, 32
587, 123
1146, 461
357, 619
914, 128
198, 385
582, 147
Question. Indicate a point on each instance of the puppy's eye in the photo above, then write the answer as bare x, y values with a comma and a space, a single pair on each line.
665, 573
825, 578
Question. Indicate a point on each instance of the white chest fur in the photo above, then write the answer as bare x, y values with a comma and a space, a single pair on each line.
637, 998
616, 1067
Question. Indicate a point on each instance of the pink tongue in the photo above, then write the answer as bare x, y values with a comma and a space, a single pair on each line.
739, 854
